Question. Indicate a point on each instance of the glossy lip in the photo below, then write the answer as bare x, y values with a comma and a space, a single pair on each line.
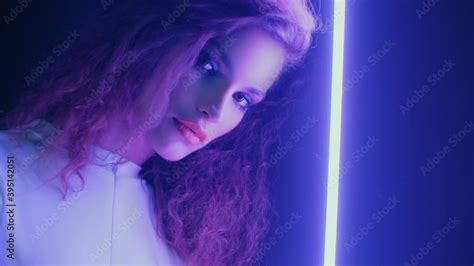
194, 127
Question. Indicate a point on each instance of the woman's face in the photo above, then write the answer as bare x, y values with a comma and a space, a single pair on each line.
229, 76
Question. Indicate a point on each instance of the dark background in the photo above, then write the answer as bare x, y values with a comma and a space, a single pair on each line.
389, 210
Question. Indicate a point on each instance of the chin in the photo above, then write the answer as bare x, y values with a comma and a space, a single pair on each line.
173, 152
170, 154
170, 158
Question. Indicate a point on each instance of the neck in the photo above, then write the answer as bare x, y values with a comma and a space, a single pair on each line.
125, 141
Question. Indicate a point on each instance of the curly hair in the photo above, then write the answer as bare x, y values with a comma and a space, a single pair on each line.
214, 205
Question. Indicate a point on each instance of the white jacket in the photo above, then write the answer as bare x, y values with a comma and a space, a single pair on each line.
110, 222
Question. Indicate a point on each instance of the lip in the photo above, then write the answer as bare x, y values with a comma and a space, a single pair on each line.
191, 127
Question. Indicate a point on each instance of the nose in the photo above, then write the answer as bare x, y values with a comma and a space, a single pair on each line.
210, 111
211, 102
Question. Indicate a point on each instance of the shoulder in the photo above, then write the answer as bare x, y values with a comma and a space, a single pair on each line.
11, 145
14, 145
19, 147
14, 139
26, 140
10, 142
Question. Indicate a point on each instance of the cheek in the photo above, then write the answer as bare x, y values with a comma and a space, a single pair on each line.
182, 97
231, 118
190, 80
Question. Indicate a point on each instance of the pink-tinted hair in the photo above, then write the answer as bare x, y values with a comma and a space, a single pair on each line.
215, 204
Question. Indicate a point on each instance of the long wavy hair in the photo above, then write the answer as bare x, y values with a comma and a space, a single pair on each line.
214, 205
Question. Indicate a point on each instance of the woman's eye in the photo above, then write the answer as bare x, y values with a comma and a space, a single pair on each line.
205, 62
208, 67
244, 101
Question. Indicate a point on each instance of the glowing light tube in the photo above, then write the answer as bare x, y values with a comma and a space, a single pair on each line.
334, 133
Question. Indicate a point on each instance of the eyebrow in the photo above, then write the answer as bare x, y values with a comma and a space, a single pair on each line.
217, 47
257, 92
223, 55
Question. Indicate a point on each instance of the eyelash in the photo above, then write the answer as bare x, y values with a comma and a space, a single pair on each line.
205, 59
246, 98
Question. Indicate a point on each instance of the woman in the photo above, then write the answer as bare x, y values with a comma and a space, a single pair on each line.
149, 143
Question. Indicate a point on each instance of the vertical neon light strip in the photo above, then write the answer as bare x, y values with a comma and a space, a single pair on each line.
334, 133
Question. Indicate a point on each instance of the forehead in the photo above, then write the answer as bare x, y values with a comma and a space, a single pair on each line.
255, 59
